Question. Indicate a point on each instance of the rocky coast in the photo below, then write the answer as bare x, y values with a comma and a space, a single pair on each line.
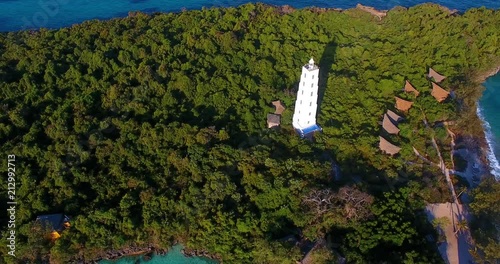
114, 254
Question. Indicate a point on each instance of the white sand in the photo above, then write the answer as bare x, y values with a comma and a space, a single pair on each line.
456, 248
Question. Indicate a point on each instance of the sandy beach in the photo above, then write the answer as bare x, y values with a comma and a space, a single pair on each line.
456, 248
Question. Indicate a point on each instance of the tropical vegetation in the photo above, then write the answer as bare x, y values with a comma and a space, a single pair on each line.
151, 129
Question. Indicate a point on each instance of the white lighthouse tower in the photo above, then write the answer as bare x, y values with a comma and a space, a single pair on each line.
304, 117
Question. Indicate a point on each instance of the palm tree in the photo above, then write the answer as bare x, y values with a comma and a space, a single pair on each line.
461, 226
441, 222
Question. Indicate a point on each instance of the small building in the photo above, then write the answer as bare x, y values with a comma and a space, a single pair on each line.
279, 107
403, 105
409, 88
435, 75
389, 126
273, 120
387, 147
439, 93
55, 222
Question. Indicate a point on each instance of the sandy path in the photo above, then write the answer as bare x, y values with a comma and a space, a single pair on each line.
456, 248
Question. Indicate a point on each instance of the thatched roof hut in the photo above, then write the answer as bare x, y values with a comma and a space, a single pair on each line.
388, 147
439, 93
394, 117
389, 126
409, 88
437, 77
403, 105
279, 107
273, 120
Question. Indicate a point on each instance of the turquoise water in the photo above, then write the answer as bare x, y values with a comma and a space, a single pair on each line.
489, 111
29, 14
174, 256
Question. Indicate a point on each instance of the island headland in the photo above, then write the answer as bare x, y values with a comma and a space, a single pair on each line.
152, 129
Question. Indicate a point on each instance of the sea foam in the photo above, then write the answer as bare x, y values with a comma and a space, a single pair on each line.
490, 140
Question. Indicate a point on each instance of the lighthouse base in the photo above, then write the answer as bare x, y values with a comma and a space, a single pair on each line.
303, 132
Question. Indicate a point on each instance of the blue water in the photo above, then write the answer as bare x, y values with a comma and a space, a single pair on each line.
174, 256
489, 111
27, 14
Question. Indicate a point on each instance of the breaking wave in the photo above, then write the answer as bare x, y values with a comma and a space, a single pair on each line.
490, 140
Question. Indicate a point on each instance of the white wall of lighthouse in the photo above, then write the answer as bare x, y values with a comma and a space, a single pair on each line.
307, 97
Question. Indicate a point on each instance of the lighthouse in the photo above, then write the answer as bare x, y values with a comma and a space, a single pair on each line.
304, 116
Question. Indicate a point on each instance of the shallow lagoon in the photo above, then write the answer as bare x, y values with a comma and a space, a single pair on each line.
174, 256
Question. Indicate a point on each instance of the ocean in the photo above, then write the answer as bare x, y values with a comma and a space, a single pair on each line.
26, 14
33, 14
489, 112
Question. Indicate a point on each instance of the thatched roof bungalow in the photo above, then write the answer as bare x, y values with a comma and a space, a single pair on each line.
439, 93
435, 75
394, 117
409, 88
279, 108
273, 120
387, 147
389, 126
403, 105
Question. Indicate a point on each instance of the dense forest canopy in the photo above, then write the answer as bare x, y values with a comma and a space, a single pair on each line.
151, 130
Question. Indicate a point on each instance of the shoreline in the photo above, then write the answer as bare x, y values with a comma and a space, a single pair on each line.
480, 149
494, 164
284, 9
481, 163
486, 146
116, 254
145, 253
481, 78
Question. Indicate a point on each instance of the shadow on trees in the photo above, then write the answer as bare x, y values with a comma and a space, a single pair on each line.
325, 64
